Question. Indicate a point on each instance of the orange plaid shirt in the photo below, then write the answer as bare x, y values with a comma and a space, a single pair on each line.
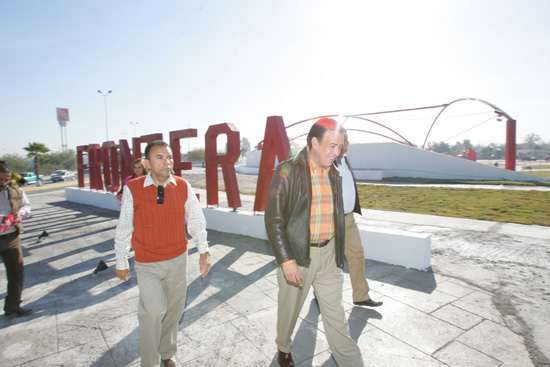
321, 221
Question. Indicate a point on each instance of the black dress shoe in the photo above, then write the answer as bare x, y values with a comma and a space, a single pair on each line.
368, 303
19, 312
285, 359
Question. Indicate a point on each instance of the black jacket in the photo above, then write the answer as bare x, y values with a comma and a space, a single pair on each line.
288, 210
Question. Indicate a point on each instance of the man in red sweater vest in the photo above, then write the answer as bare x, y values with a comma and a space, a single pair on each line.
152, 220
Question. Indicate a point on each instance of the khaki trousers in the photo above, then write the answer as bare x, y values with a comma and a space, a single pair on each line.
162, 290
355, 257
327, 280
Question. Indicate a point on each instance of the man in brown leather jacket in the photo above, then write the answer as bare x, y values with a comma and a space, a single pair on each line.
305, 224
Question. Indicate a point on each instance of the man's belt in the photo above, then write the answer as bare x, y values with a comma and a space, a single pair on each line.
320, 244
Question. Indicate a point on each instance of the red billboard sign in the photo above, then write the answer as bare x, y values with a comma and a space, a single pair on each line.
62, 114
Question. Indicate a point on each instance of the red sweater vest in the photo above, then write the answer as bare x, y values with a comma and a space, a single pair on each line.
159, 229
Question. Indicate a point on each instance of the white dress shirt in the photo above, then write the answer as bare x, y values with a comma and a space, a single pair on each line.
5, 207
196, 224
348, 186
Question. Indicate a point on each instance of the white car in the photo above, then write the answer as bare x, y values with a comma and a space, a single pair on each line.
62, 175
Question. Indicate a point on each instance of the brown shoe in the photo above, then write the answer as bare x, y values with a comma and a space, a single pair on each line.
169, 362
285, 359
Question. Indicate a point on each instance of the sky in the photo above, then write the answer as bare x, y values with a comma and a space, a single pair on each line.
173, 65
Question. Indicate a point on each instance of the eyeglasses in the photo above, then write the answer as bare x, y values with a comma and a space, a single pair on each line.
160, 195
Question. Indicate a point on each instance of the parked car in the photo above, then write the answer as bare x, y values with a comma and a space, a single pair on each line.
30, 177
62, 175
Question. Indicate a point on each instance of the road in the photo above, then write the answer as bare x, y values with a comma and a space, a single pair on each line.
48, 186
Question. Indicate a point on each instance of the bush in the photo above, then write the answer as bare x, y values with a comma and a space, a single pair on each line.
18, 163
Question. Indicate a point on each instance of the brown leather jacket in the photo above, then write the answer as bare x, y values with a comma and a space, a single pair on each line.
14, 196
288, 210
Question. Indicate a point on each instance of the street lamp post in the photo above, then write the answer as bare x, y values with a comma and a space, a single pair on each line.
134, 124
105, 99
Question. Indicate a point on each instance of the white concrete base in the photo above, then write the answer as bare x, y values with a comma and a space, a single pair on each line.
239, 222
368, 175
100, 199
246, 170
394, 247
412, 250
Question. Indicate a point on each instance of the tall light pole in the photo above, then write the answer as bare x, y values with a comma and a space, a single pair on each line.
134, 124
105, 99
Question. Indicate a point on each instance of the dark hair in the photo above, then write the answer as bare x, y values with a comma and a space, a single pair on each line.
320, 127
156, 143
4, 168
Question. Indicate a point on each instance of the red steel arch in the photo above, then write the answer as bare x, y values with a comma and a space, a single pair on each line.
510, 130
510, 127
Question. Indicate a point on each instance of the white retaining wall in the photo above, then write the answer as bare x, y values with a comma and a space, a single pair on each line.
100, 199
394, 247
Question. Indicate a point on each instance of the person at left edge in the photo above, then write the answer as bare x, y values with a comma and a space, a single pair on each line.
14, 206
152, 219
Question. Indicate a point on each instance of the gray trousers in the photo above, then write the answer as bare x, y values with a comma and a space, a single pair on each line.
162, 290
327, 281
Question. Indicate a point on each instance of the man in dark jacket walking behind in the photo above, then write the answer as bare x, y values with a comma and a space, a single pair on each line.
305, 224
354, 249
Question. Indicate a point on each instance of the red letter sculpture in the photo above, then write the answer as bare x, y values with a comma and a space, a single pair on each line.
80, 163
111, 176
175, 137
136, 142
227, 162
275, 145
126, 160
95, 161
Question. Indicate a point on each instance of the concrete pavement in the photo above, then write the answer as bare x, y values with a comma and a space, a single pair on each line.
463, 313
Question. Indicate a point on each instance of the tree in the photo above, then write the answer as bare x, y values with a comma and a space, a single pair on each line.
196, 155
492, 151
459, 147
440, 147
58, 160
35, 151
531, 140
17, 162
245, 146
